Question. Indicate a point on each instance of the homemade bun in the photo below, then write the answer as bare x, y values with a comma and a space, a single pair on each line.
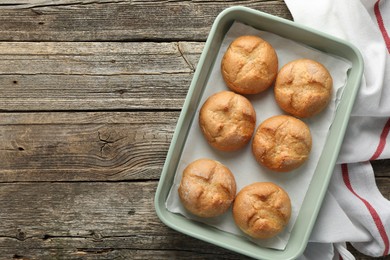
207, 188
249, 65
227, 121
282, 143
303, 88
262, 210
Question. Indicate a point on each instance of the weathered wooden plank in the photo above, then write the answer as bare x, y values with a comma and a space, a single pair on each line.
360, 256
103, 220
95, 252
35, 3
104, 253
383, 184
70, 220
78, 92
117, 20
84, 146
381, 168
92, 58
95, 76
81, 210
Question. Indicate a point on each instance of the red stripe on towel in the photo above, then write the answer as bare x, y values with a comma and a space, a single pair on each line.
381, 25
382, 141
374, 214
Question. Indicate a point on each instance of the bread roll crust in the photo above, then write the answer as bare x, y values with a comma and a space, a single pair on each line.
282, 143
262, 210
207, 188
303, 88
250, 65
227, 121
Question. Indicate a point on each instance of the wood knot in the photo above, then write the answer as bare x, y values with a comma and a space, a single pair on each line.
46, 237
121, 91
20, 235
96, 236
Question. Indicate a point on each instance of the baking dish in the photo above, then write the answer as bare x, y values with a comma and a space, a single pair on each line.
319, 183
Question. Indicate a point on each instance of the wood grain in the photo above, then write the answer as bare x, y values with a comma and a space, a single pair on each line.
99, 220
91, 220
90, 95
84, 146
87, 146
117, 20
100, 146
381, 168
95, 76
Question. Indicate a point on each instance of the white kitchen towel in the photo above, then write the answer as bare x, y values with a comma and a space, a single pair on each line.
366, 24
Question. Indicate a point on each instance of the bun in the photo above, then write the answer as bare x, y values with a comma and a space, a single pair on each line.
303, 88
282, 143
262, 210
249, 65
207, 188
227, 121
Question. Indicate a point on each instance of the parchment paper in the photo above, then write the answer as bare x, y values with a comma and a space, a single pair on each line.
242, 163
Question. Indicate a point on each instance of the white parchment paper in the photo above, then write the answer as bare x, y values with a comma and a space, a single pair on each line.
242, 163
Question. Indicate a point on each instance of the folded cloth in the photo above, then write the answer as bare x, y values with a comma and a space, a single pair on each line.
354, 210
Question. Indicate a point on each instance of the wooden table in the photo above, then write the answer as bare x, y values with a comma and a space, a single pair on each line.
90, 95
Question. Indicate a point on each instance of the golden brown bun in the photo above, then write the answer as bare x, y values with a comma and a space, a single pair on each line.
282, 143
303, 88
249, 65
207, 188
262, 210
227, 121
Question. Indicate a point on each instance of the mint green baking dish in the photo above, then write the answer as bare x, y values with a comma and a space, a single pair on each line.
319, 184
